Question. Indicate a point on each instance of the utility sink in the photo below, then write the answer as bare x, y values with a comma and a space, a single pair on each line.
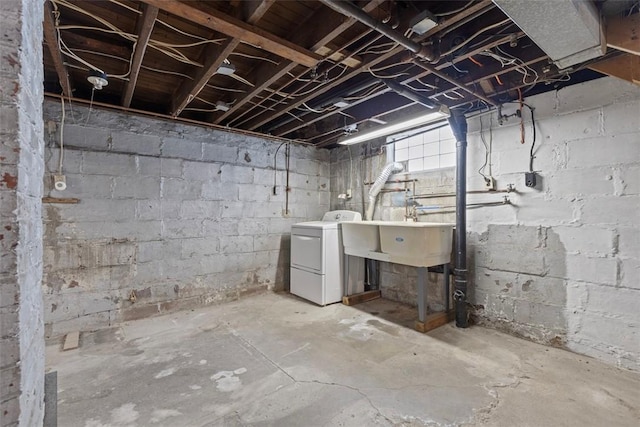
419, 244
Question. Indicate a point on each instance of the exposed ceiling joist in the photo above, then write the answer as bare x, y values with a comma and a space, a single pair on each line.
255, 8
145, 24
236, 28
96, 45
51, 38
286, 130
498, 69
624, 66
266, 74
623, 33
214, 57
179, 72
474, 10
443, 76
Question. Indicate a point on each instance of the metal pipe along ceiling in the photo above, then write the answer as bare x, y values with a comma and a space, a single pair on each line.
409, 94
348, 9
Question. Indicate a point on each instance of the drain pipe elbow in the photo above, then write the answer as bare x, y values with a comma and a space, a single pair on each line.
378, 184
429, 54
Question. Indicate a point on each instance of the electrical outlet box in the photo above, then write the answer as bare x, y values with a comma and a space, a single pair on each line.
530, 179
490, 183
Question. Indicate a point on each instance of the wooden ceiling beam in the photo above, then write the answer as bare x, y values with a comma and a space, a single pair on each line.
214, 57
494, 70
239, 29
475, 10
255, 8
623, 33
51, 38
266, 74
145, 24
624, 66
74, 40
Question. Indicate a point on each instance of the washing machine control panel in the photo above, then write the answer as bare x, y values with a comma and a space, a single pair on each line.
342, 215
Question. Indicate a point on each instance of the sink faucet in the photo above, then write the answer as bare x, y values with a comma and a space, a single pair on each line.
413, 214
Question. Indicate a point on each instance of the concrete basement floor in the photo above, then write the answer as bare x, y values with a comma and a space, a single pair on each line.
276, 360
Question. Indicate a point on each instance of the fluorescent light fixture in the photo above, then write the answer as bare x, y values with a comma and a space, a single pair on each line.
441, 112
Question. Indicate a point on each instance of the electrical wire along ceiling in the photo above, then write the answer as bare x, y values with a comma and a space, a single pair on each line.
309, 70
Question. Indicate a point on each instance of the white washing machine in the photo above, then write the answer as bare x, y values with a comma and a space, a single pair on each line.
316, 257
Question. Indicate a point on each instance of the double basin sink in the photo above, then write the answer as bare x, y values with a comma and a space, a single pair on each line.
419, 244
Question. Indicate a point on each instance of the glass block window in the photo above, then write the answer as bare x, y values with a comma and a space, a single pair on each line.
425, 149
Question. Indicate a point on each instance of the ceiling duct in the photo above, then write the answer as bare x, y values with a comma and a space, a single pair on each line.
568, 31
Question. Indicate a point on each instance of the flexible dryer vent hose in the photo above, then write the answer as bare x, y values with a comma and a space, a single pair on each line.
377, 186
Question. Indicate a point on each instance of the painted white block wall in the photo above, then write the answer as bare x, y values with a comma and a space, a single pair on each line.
561, 265
180, 215
21, 169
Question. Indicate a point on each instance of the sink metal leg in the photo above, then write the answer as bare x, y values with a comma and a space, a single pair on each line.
345, 276
447, 289
422, 294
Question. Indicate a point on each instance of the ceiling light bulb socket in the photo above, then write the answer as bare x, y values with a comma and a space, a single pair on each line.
98, 79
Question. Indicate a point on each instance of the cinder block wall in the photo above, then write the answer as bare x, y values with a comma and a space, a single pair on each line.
21, 169
560, 265
170, 216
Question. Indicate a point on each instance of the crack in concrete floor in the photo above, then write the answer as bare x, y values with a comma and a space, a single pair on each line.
290, 348
284, 371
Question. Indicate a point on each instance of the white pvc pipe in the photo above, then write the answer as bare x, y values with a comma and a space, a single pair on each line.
377, 186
